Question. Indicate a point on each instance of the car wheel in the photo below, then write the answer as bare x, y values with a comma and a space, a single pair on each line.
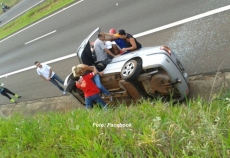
131, 70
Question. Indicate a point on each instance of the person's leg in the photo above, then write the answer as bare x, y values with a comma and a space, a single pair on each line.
6, 95
56, 84
10, 92
56, 77
97, 81
89, 102
106, 61
99, 100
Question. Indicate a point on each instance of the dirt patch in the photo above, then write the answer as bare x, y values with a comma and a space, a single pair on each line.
63, 103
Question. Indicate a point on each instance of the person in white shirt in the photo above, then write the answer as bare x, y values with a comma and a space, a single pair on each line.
101, 51
46, 73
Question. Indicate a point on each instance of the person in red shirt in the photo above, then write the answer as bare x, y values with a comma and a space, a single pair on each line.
91, 91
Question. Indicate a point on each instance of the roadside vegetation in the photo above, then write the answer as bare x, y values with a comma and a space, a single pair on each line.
193, 129
36, 13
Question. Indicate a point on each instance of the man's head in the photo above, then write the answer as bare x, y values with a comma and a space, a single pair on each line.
112, 31
77, 71
101, 36
38, 64
122, 34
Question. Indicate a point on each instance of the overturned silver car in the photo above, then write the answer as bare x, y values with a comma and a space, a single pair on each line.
145, 73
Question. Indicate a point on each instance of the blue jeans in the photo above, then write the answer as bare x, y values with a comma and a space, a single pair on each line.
54, 80
94, 98
97, 81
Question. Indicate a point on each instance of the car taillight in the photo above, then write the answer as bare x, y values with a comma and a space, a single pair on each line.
167, 49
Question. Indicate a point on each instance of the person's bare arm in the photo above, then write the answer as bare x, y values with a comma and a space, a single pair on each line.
50, 73
112, 37
94, 70
109, 34
133, 43
86, 67
110, 53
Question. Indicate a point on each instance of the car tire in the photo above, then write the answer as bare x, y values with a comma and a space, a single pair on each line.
131, 70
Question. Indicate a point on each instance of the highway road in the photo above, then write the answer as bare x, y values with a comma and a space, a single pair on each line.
17, 10
202, 45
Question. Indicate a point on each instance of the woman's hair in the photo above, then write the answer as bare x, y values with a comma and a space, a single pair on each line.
78, 71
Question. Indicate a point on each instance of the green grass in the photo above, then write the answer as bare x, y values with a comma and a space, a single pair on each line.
193, 129
32, 15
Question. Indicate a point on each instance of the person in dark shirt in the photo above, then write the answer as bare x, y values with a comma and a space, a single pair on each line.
130, 41
5, 92
114, 36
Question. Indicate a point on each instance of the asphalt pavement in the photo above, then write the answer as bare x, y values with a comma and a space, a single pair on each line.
17, 10
201, 45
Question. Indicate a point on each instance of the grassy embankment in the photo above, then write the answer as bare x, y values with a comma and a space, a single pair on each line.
32, 15
194, 129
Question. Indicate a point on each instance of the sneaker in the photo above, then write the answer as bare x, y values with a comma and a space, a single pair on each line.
63, 92
17, 96
12, 100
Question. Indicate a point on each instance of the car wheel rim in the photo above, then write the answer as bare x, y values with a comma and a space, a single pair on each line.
128, 69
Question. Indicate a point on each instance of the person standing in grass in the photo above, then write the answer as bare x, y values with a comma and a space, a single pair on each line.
5, 92
86, 84
46, 73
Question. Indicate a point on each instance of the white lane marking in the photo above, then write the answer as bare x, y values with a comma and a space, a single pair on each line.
196, 17
137, 35
21, 13
40, 21
40, 37
32, 67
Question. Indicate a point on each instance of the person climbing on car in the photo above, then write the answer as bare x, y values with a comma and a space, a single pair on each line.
130, 41
82, 69
101, 51
112, 46
114, 36
91, 91
5, 92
